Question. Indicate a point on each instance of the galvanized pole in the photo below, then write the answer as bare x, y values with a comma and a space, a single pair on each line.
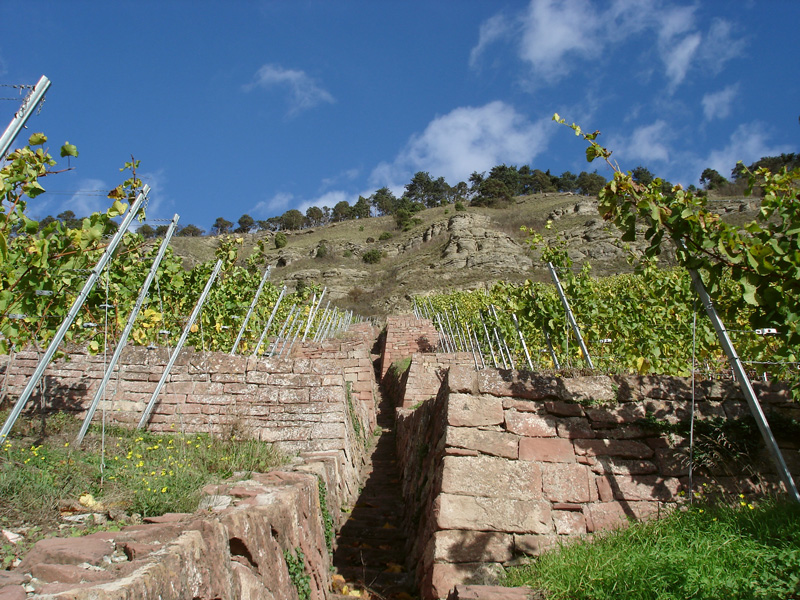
503, 338
128, 327
322, 322
575, 329
488, 339
480, 350
186, 330
250, 311
522, 339
280, 333
73, 312
269, 321
313, 314
24, 112
747, 388
552, 351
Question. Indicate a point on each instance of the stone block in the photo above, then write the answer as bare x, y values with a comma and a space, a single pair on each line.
598, 388
575, 428
491, 477
456, 546
645, 487
546, 450
492, 514
564, 409
443, 577
569, 522
623, 466
621, 448
533, 544
623, 413
518, 385
461, 380
474, 411
568, 483
530, 424
494, 443
673, 462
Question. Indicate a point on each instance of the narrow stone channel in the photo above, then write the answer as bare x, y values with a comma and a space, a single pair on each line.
371, 545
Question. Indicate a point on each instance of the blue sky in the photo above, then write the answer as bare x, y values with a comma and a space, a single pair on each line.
258, 107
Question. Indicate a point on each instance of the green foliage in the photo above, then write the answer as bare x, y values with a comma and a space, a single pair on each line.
139, 472
740, 551
372, 257
761, 259
385, 236
327, 517
296, 564
322, 251
459, 207
280, 240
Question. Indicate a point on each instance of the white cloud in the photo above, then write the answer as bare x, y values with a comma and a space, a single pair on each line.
303, 90
466, 139
347, 175
495, 28
721, 45
557, 36
747, 144
158, 200
646, 144
90, 197
551, 34
717, 105
276, 205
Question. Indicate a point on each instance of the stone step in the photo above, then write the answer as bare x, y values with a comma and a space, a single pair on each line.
379, 579
372, 556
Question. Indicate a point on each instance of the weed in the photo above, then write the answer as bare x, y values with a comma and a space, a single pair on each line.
327, 517
138, 472
296, 563
742, 550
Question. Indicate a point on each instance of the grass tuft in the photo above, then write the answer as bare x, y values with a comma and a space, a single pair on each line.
704, 552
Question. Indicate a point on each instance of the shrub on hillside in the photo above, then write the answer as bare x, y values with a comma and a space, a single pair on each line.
280, 240
372, 257
460, 207
385, 236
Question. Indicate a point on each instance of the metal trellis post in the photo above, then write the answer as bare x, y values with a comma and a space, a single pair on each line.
747, 387
250, 311
574, 324
269, 321
128, 327
186, 330
25, 111
73, 312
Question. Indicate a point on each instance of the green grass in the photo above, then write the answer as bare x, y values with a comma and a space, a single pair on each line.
126, 471
704, 552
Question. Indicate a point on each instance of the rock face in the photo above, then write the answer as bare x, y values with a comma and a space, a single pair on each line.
474, 243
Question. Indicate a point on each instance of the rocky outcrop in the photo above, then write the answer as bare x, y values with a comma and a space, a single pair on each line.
475, 244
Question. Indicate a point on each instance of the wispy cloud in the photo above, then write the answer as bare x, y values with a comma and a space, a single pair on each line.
465, 140
279, 203
558, 36
495, 28
717, 105
551, 38
304, 92
747, 143
647, 144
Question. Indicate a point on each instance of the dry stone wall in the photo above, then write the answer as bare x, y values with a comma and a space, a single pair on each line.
502, 464
406, 335
317, 405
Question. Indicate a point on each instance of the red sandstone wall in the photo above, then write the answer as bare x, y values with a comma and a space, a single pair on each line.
406, 335
502, 463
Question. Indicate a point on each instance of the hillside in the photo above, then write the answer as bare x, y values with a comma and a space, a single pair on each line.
447, 250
